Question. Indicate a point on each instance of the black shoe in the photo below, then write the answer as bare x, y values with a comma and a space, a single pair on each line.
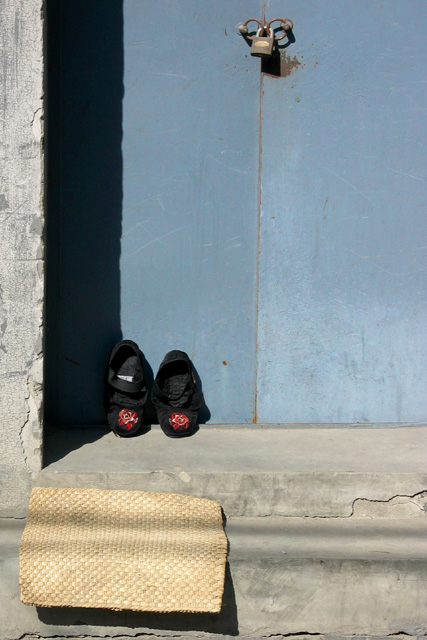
125, 389
175, 396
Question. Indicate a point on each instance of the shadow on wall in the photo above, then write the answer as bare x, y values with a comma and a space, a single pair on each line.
84, 196
84, 203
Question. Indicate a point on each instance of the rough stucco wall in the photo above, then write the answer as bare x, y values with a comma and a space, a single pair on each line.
21, 247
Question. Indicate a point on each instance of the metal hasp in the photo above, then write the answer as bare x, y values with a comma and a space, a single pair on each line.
263, 44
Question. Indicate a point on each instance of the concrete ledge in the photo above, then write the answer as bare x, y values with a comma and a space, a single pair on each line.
291, 472
286, 576
341, 549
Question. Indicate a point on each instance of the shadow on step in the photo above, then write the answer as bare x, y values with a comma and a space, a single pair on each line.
224, 622
60, 441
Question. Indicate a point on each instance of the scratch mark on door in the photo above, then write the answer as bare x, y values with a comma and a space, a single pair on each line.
209, 155
350, 185
158, 239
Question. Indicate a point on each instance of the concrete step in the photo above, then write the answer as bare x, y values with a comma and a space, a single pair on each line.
327, 527
296, 472
286, 576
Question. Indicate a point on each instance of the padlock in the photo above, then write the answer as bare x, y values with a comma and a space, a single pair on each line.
262, 46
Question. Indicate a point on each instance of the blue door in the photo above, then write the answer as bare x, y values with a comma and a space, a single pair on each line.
190, 194
342, 275
269, 224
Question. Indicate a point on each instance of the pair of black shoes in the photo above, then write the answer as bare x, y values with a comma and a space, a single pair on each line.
174, 394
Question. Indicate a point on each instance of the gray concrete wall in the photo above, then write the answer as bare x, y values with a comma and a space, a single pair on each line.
21, 249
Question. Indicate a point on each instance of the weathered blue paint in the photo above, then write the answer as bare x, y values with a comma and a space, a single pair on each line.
190, 185
342, 304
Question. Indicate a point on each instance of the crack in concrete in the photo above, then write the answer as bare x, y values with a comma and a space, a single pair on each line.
408, 497
35, 115
403, 634
32, 636
26, 422
351, 514
326, 636
393, 636
33, 400
296, 634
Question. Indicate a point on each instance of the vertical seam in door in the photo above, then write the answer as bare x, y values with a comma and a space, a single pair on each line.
261, 98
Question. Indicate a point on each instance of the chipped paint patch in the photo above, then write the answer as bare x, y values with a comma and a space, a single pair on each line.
288, 65
3, 202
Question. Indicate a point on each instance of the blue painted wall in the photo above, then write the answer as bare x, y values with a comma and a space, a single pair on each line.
296, 284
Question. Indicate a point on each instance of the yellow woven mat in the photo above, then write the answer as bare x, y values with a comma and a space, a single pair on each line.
122, 550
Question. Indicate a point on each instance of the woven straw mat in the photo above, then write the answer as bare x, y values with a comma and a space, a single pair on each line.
118, 550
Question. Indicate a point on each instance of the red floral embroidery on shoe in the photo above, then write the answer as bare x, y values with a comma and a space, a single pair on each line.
179, 421
127, 418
